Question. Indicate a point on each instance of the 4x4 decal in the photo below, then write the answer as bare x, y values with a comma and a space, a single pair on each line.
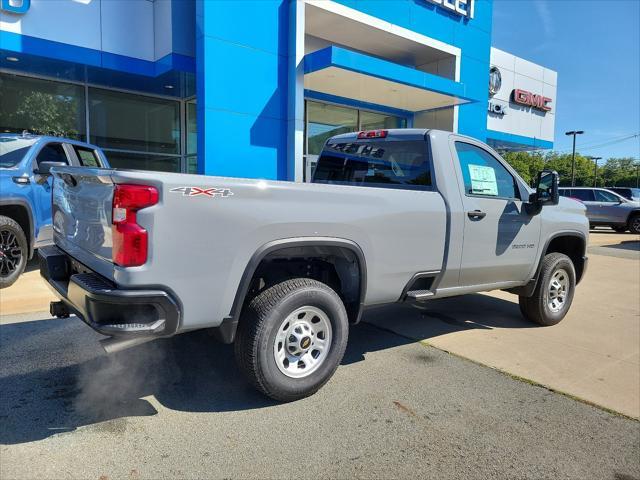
207, 192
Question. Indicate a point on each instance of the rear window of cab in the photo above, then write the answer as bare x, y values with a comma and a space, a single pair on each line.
376, 163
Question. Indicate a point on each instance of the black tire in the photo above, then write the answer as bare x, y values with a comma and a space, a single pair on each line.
634, 224
619, 229
259, 325
14, 251
536, 308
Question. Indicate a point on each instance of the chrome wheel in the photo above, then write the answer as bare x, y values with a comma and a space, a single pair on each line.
302, 342
635, 225
558, 290
10, 253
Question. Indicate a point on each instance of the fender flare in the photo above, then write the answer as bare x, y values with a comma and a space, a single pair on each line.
528, 289
227, 329
10, 201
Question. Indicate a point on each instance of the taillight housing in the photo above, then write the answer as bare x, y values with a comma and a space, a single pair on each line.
130, 240
373, 134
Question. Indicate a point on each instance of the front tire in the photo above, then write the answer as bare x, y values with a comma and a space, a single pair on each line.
14, 250
291, 338
553, 294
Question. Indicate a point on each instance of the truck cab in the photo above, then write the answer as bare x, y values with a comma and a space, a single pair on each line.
25, 193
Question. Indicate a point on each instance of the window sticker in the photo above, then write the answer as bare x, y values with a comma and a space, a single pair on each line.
483, 180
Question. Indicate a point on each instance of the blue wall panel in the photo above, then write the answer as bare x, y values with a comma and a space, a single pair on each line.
243, 145
242, 87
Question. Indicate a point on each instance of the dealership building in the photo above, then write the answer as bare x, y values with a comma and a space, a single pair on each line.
253, 88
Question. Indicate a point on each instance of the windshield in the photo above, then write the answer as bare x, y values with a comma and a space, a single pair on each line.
13, 149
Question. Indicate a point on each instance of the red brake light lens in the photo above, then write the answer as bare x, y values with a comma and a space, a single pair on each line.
130, 240
373, 134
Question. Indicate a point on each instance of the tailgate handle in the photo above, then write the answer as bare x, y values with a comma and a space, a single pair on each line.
476, 214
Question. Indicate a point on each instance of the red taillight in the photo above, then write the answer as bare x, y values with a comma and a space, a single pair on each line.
130, 239
373, 134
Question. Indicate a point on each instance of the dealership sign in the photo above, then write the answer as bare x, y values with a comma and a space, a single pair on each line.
528, 99
497, 108
15, 6
464, 8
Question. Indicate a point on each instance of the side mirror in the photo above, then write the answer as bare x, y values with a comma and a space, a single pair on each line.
44, 168
547, 192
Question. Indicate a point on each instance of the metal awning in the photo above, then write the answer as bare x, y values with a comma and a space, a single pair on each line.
343, 73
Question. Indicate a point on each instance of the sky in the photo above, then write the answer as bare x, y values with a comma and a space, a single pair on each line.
594, 45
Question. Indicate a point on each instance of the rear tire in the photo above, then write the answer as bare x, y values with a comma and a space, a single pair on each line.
554, 292
14, 250
634, 224
291, 338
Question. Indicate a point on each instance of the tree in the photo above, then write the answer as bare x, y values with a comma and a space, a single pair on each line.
619, 172
561, 163
526, 164
43, 113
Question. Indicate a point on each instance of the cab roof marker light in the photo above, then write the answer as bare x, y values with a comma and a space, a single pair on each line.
373, 134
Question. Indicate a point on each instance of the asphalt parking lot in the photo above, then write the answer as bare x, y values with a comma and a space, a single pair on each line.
397, 407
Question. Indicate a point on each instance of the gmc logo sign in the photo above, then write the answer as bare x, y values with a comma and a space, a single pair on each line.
528, 99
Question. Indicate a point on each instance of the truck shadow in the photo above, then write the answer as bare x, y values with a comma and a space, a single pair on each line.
54, 377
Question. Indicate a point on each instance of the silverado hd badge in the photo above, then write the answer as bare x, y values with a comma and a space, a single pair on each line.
207, 192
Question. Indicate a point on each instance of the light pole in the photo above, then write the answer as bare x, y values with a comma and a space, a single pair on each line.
573, 155
595, 170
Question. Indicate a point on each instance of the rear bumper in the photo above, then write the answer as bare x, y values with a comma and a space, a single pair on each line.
106, 308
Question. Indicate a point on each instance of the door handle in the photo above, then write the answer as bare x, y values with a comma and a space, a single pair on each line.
476, 214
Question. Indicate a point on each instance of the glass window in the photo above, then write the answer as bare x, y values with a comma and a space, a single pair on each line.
604, 196
192, 164
87, 157
192, 128
132, 122
42, 107
52, 152
136, 161
586, 195
483, 174
375, 121
394, 164
325, 121
13, 149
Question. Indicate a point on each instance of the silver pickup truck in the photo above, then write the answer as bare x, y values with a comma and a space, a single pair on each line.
281, 269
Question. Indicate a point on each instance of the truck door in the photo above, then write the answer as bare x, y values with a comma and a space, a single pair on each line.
501, 240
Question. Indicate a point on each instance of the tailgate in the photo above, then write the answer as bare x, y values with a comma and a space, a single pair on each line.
81, 212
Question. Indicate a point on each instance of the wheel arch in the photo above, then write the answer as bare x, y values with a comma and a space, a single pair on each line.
323, 249
19, 210
632, 214
571, 243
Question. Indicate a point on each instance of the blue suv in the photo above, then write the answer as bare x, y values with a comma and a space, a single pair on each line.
25, 193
